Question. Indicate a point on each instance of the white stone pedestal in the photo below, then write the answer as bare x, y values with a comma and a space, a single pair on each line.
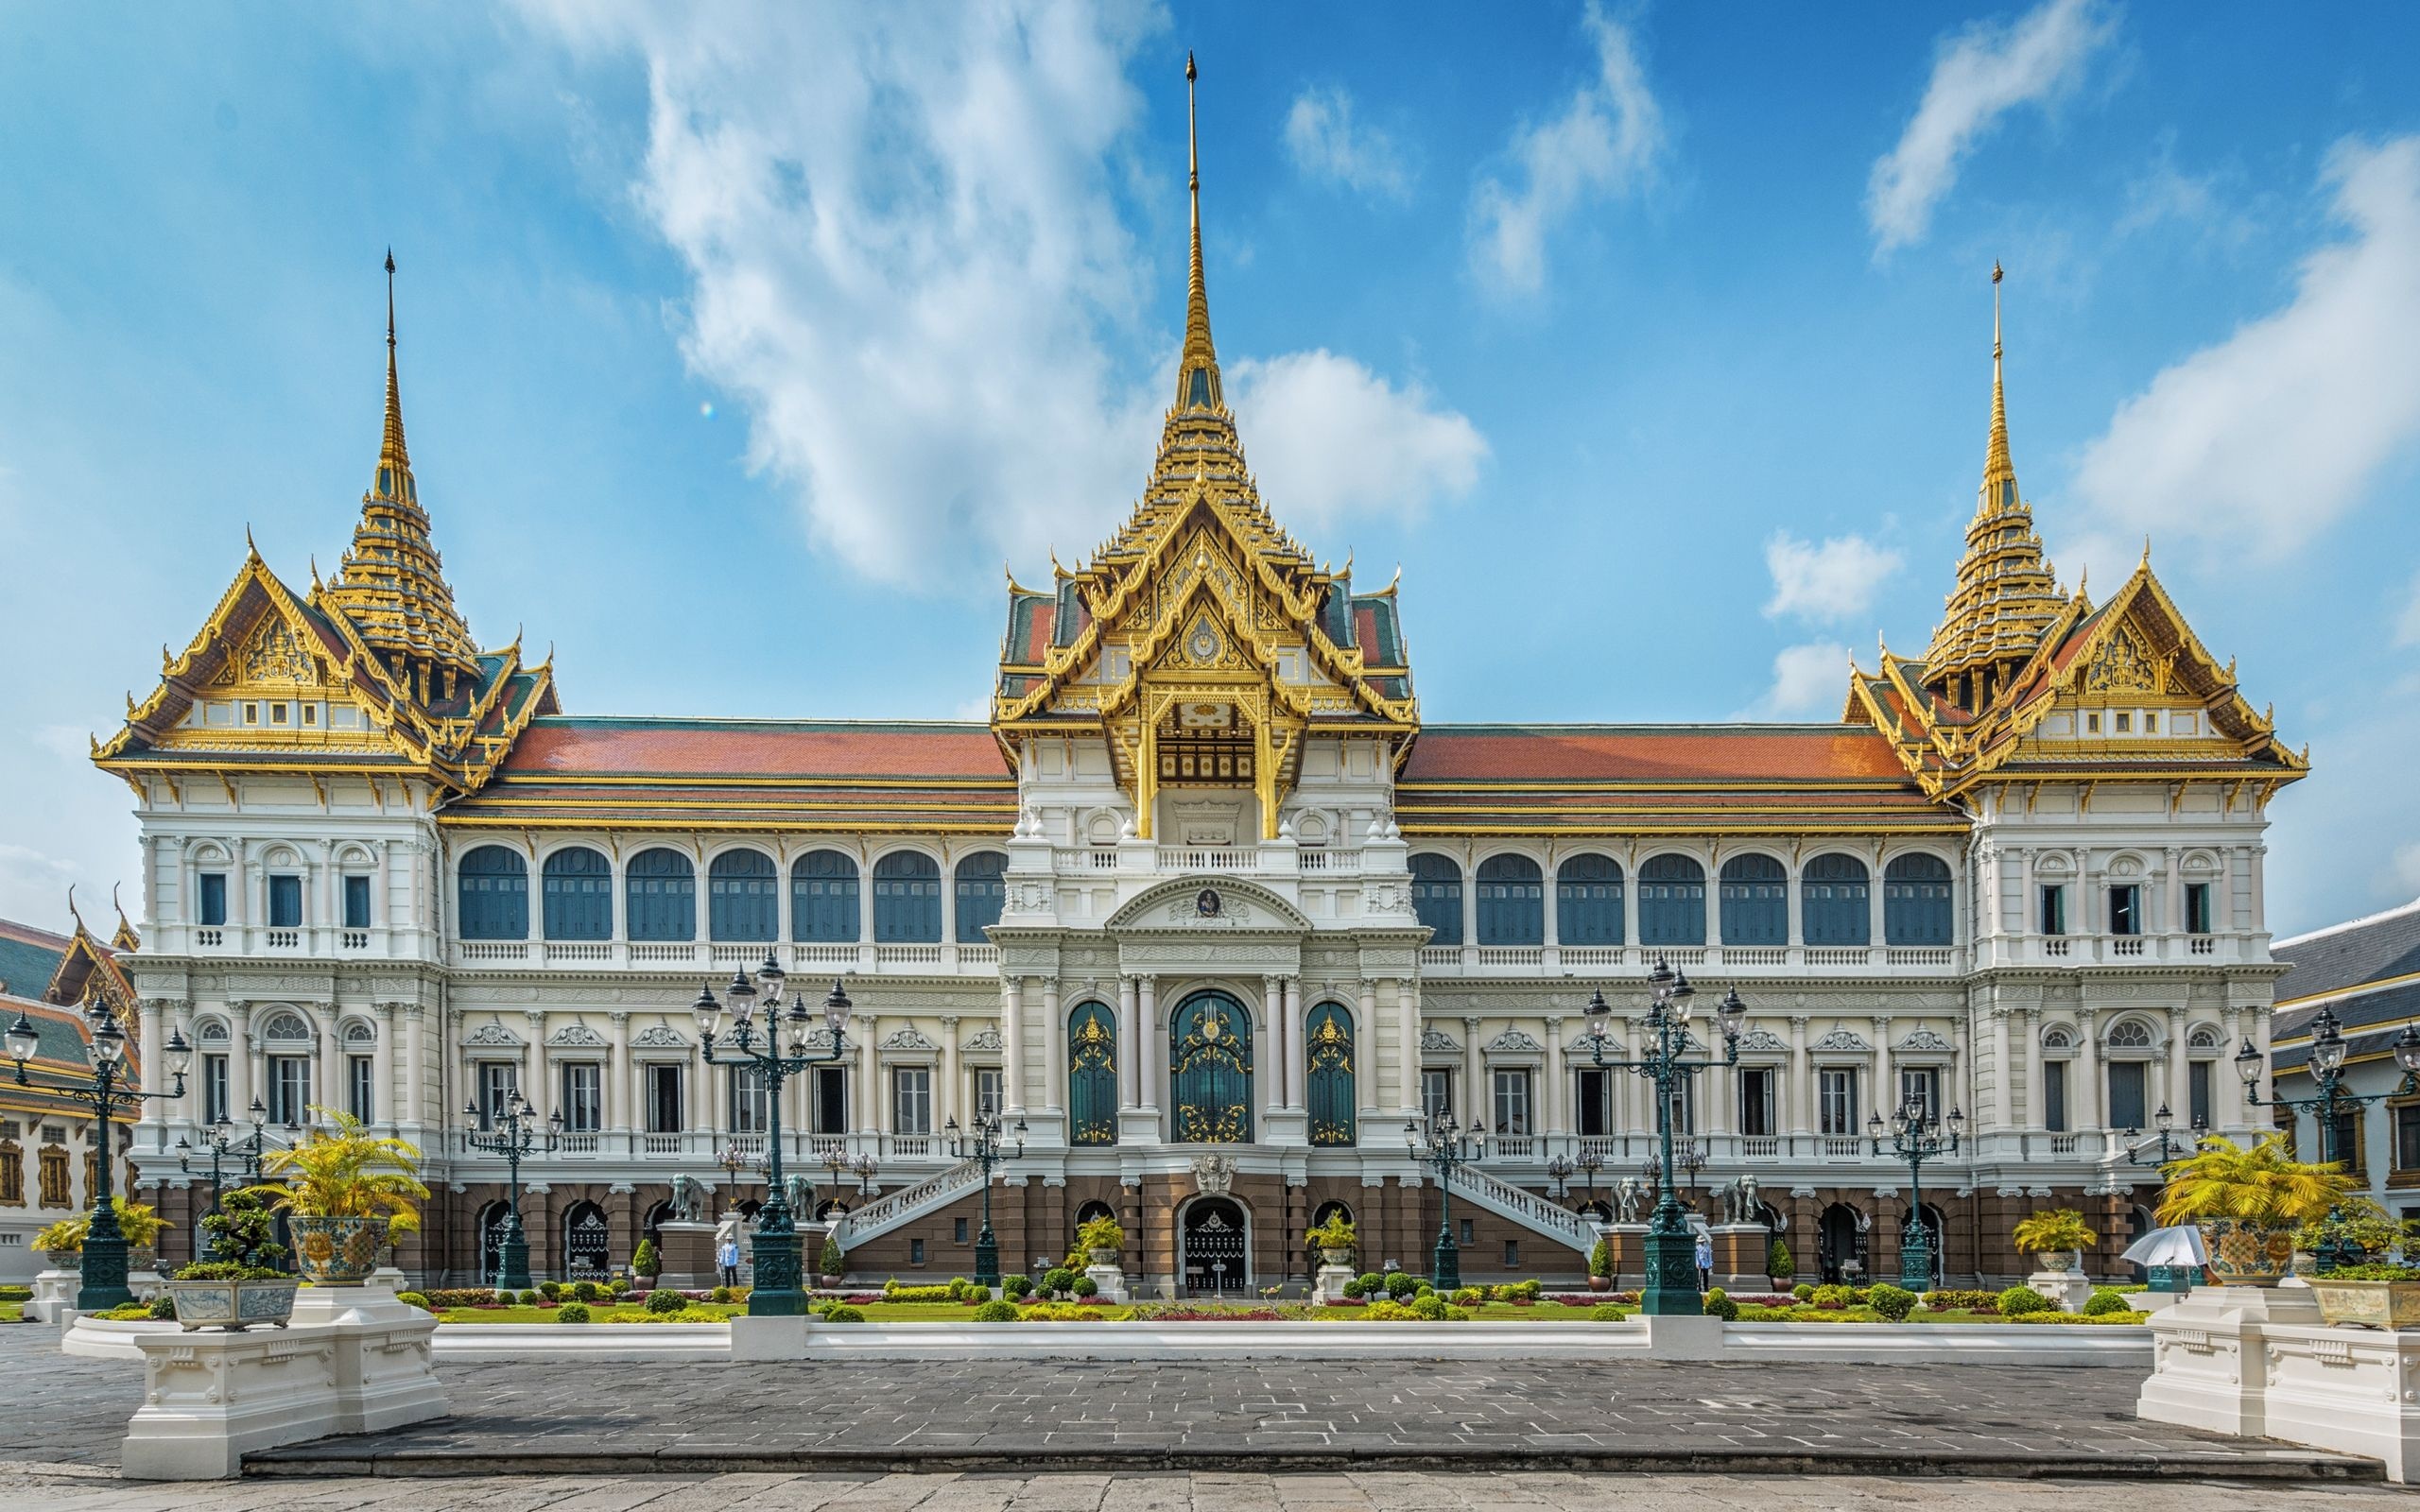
1683, 1338
54, 1294
2208, 1365
1328, 1286
1110, 1280
769, 1338
2067, 1290
354, 1360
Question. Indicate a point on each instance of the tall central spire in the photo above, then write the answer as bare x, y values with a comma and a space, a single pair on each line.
1197, 383
1999, 474
392, 454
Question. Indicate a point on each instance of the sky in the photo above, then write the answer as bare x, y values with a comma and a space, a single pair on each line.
744, 346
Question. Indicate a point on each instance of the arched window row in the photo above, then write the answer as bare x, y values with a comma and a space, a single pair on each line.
1751, 900
658, 888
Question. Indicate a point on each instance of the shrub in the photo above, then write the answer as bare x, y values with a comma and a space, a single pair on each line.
1337, 1233
1778, 1263
1389, 1313
1100, 1233
1086, 1286
1600, 1258
1057, 1280
419, 1299
1402, 1283
1607, 1313
644, 1259
1431, 1308
1013, 1287
834, 1261
1352, 1289
1424, 1289
163, 1308
1963, 1301
2053, 1229
720, 1295
573, 1312
1803, 1292
127, 1313
1717, 1303
1895, 1303
843, 1313
1830, 1297
226, 1270
16, 1293
586, 1291
919, 1294
2019, 1300
1372, 1283
664, 1301
1469, 1296
534, 1299
1527, 1291
2104, 1301
997, 1312
553, 1291
443, 1298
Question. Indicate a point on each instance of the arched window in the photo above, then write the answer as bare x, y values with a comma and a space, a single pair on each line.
660, 893
823, 898
1915, 901
579, 885
496, 894
1671, 901
1755, 901
1210, 1069
1437, 897
2130, 1034
980, 893
2057, 1038
741, 902
1091, 1074
1588, 901
1327, 1060
1511, 902
908, 899
1835, 902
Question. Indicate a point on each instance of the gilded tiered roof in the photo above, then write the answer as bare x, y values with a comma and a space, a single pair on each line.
2007, 595
391, 585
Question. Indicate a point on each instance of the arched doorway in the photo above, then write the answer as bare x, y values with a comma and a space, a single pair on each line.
1937, 1231
1210, 1069
587, 1243
657, 1216
1840, 1244
1216, 1247
492, 1220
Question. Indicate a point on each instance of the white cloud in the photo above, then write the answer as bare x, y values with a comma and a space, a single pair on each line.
33, 886
1327, 436
1606, 141
1831, 580
1809, 681
1979, 76
1327, 143
2259, 442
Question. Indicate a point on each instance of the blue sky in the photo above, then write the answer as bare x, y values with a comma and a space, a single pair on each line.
740, 348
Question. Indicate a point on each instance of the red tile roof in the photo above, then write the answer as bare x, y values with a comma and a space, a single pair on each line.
1598, 753
734, 747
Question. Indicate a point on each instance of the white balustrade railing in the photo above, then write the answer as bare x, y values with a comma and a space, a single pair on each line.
1921, 955
1836, 1148
1511, 955
595, 950
577, 1143
1315, 860
1192, 858
908, 955
1840, 956
1526, 1207
1755, 955
898, 1207
1441, 955
1514, 1147
1760, 1147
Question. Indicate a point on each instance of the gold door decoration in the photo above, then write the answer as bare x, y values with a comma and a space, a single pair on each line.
1092, 1076
1327, 1061
1210, 1066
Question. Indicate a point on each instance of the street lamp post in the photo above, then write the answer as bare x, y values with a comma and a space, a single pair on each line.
1590, 1162
1671, 1250
515, 1135
1559, 1171
1916, 1137
983, 1142
110, 1084
2168, 1149
2327, 1049
778, 1291
733, 1161
1444, 1144
863, 1169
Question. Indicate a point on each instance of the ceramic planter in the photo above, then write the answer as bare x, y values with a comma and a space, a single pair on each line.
1600, 1284
2247, 1254
64, 1259
2389, 1305
336, 1252
234, 1305
2057, 1261
1337, 1257
1104, 1257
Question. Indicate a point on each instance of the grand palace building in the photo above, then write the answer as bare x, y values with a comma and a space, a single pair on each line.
1207, 912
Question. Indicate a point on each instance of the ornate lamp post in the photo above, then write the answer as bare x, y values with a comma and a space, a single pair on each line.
1559, 1171
1671, 1252
733, 1159
2169, 1148
515, 1135
2327, 1049
109, 1085
775, 1247
863, 1169
983, 1142
1916, 1137
1590, 1162
1444, 1146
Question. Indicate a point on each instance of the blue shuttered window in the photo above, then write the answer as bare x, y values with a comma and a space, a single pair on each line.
742, 897
1327, 1063
662, 893
286, 902
823, 898
1511, 902
1091, 1074
1835, 902
1755, 901
1671, 901
908, 899
578, 886
1915, 901
1437, 897
980, 894
495, 895
1588, 901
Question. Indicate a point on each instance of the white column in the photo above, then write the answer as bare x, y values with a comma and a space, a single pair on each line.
1155, 1060
1475, 1110
1054, 1046
1408, 1035
948, 1097
1129, 1047
2088, 1097
382, 1066
1292, 1050
2180, 1089
1269, 1064
156, 1110
1558, 1088
1365, 1030
1012, 1046
1801, 1092
2172, 903
2003, 1075
2038, 1112
415, 1108
876, 1116
1886, 1090
617, 1112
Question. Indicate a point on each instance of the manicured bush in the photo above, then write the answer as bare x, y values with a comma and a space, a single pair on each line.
1469, 1296
1804, 1292
1717, 1303
586, 1291
1424, 1289
419, 1299
2104, 1301
1402, 1283
834, 1261
1527, 1291
721, 1295
1961, 1301
1895, 1303
1830, 1297
1373, 1282
997, 1312
1389, 1312
644, 1261
1057, 1280
1015, 1286
664, 1300
533, 1298
163, 1308
573, 1312
1086, 1286
1432, 1308
443, 1297
551, 1291
2019, 1300
1779, 1267
897, 1293
843, 1313
1600, 1258
1607, 1313
1352, 1289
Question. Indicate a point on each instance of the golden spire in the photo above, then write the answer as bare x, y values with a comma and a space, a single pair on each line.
394, 460
1996, 467
1197, 382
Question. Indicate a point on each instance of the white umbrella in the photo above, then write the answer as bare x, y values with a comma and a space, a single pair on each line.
2180, 1245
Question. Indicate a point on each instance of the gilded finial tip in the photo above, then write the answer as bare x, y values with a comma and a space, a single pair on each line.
1995, 269
1188, 66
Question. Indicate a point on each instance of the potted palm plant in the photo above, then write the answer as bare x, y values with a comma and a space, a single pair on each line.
2056, 1237
241, 1279
1334, 1239
63, 1243
343, 1192
2248, 1202
1103, 1237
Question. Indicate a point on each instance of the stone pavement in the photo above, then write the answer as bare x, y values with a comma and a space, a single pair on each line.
568, 1416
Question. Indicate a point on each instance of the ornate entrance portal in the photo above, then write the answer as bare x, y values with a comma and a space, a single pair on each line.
1210, 1069
1216, 1247
586, 1238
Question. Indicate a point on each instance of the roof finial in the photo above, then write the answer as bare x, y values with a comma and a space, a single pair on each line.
1197, 383
394, 462
1999, 474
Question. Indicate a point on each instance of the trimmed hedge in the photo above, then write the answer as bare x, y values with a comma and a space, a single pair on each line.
2018, 1301
843, 1313
572, 1312
1000, 1312
444, 1297
664, 1301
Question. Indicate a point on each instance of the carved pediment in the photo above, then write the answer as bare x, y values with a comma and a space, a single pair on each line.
1842, 1040
986, 1038
575, 1033
1438, 1039
1513, 1041
492, 1034
1762, 1039
906, 1040
1923, 1039
660, 1036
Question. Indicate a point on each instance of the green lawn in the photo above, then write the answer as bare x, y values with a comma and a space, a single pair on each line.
1547, 1313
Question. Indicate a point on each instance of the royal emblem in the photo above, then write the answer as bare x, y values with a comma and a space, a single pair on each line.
1206, 903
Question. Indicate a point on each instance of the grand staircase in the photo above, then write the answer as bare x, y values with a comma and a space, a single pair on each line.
889, 1211
1525, 1208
